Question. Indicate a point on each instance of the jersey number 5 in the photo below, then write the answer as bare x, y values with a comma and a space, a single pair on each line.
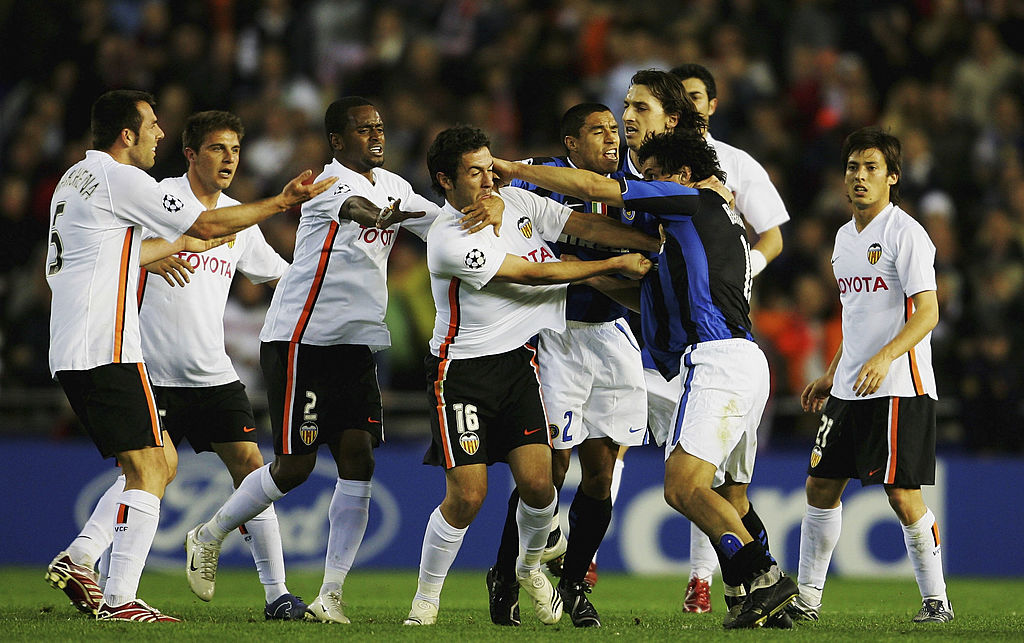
54, 266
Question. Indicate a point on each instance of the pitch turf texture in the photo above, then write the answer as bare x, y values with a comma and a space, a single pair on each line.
632, 608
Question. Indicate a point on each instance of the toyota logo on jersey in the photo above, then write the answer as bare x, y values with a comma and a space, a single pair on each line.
172, 203
874, 253
525, 226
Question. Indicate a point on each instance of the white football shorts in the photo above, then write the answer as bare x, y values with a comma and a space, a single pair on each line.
725, 387
592, 381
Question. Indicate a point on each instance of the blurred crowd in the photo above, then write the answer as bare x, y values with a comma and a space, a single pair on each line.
794, 77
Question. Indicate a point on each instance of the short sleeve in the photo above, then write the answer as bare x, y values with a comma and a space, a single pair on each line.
548, 216
757, 199
413, 202
137, 198
453, 253
915, 260
259, 262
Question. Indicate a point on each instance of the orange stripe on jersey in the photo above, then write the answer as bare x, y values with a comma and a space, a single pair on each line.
453, 317
122, 514
151, 402
894, 414
143, 276
442, 369
122, 293
318, 282
915, 375
540, 388
289, 395
935, 533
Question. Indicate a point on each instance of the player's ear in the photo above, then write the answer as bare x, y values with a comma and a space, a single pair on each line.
671, 120
336, 142
892, 178
445, 182
128, 136
712, 106
570, 143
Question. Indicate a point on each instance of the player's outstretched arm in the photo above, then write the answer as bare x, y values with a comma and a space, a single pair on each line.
160, 257
608, 232
224, 221
520, 271
365, 213
564, 180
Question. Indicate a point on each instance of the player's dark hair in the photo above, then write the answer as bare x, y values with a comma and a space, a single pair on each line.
669, 92
115, 111
446, 152
337, 114
202, 124
682, 148
701, 73
867, 138
575, 116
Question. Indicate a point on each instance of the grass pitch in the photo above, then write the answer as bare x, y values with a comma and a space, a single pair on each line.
632, 608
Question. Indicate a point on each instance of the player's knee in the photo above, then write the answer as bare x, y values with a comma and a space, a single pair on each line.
462, 505
289, 473
680, 497
597, 484
823, 493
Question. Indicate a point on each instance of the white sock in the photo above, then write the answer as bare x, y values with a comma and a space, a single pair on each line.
923, 546
349, 513
250, 499
97, 534
703, 559
441, 543
534, 527
819, 533
264, 537
103, 567
138, 513
617, 478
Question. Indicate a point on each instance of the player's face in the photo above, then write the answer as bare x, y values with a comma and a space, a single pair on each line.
473, 178
698, 93
652, 170
142, 153
216, 160
868, 180
644, 115
597, 147
362, 140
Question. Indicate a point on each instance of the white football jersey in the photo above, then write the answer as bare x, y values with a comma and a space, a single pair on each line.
878, 270
183, 328
336, 290
476, 317
97, 213
756, 198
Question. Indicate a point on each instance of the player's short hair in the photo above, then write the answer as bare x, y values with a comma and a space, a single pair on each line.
337, 113
678, 148
867, 138
202, 124
575, 116
113, 112
446, 152
701, 73
669, 92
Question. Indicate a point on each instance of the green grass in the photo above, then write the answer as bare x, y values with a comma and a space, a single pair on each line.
632, 608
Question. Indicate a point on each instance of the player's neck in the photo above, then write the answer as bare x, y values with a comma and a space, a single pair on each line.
358, 168
207, 197
862, 218
120, 154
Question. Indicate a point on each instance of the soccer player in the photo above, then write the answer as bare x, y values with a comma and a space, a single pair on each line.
325, 321
593, 385
492, 295
695, 325
98, 211
878, 424
197, 392
760, 205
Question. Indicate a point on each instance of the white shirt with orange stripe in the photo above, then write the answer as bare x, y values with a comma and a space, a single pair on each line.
878, 270
183, 328
97, 213
474, 316
336, 290
756, 198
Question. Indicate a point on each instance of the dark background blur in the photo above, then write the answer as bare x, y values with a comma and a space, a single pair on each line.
793, 79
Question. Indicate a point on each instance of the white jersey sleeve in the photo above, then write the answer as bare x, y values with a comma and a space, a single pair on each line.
756, 198
474, 259
259, 262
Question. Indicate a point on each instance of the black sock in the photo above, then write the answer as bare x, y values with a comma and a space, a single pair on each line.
508, 548
588, 522
752, 523
750, 561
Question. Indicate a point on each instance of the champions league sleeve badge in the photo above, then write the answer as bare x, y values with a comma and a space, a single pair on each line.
475, 259
172, 203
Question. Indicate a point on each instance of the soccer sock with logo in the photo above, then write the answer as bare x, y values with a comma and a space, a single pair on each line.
87, 548
752, 523
703, 557
732, 575
137, 516
441, 543
925, 550
508, 548
819, 533
534, 527
264, 537
588, 522
252, 497
349, 513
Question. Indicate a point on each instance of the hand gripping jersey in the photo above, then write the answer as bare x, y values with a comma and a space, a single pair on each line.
183, 328
878, 270
476, 317
336, 289
97, 214
582, 303
701, 290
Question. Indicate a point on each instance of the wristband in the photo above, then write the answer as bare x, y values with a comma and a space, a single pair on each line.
385, 212
757, 262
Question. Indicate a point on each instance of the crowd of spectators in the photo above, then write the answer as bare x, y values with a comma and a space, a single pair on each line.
794, 77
